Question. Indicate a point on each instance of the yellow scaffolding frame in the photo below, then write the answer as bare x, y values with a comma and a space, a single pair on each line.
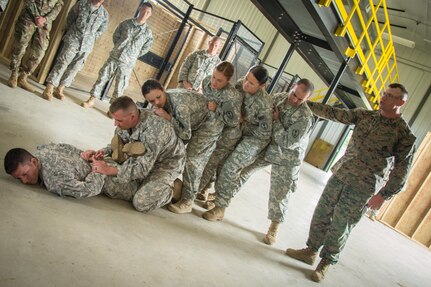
318, 96
377, 68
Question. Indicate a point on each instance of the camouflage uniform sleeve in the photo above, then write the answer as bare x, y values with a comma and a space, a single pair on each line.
186, 66
290, 137
404, 153
232, 109
62, 147
344, 116
264, 130
117, 33
50, 17
182, 125
147, 44
73, 15
65, 184
103, 26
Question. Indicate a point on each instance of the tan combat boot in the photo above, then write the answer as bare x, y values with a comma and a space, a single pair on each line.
271, 235
182, 206
177, 190
13, 80
306, 255
211, 196
208, 205
215, 214
22, 82
47, 93
202, 195
59, 92
89, 103
321, 270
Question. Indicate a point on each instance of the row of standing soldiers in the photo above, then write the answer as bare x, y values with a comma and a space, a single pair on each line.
230, 130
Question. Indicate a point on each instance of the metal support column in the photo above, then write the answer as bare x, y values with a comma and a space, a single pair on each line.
346, 130
281, 68
174, 43
337, 148
336, 80
229, 40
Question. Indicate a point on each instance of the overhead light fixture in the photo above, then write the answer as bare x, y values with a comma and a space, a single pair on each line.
399, 40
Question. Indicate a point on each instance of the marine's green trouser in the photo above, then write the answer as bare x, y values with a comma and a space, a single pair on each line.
339, 209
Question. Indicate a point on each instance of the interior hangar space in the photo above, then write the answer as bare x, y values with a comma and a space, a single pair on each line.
350, 50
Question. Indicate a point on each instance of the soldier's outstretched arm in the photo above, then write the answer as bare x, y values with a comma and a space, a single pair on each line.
348, 117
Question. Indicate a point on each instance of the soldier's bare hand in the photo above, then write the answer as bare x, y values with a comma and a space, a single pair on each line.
275, 114
40, 21
162, 113
212, 106
87, 155
187, 85
99, 155
375, 202
100, 166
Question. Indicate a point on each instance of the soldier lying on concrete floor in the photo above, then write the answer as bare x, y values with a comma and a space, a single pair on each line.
60, 168
67, 171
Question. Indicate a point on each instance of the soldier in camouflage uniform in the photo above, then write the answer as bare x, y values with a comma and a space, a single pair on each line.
225, 146
291, 127
132, 39
87, 20
32, 38
256, 129
379, 138
155, 171
58, 167
186, 110
199, 65
224, 103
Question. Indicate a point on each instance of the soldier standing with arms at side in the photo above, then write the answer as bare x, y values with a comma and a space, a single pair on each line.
132, 39
380, 139
32, 37
87, 20
291, 127
256, 130
199, 65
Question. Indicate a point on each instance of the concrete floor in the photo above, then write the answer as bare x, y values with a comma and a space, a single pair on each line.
49, 241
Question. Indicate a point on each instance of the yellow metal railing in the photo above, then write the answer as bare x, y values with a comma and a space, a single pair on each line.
318, 96
378, 63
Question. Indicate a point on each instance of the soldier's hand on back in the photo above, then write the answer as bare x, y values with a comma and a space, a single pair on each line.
212, 106
275, 114
162, 113
187, 85
99, 155
40, 21
100, 166
87, 155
